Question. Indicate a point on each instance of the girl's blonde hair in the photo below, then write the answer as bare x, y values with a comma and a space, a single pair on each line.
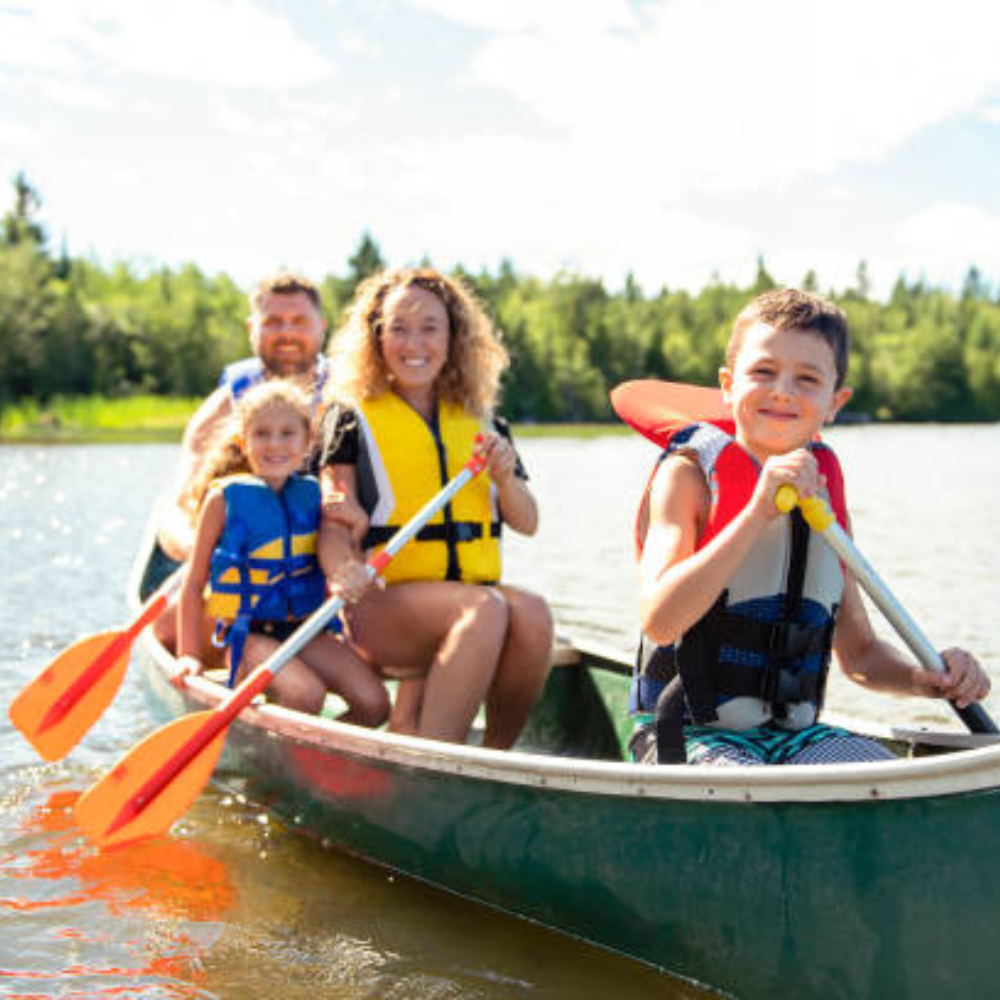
476, 356
226, 455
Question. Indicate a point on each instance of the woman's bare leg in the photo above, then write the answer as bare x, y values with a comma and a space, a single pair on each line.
405, 715
523, 667
457, 628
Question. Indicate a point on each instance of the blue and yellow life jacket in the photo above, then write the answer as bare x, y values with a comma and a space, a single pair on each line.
406, 462
241, 376
264, 567
761, 653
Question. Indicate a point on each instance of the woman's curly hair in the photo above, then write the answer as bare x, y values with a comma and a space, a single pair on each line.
476, 356
226, 454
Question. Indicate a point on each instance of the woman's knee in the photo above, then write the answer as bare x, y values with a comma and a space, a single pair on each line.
531, 616
484, 607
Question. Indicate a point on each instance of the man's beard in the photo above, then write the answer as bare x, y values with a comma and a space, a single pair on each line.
283, 367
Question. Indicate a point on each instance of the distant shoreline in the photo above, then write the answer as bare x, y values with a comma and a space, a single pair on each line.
162, 419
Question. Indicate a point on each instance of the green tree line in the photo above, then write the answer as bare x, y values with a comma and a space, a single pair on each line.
72, 327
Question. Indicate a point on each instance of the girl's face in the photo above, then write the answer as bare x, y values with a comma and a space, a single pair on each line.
415, 339
782, 389
276, 442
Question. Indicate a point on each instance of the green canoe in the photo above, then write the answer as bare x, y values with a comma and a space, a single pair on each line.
865, 880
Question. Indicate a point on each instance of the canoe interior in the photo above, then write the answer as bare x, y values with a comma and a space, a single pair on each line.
583, 711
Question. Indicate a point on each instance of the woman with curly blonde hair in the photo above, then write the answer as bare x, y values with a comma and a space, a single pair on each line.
415, 375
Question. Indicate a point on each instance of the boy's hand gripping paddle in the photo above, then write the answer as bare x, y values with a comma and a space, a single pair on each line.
820, 518
158, 779
57, 708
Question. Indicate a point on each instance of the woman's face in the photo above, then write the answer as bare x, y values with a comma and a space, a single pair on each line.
415, 339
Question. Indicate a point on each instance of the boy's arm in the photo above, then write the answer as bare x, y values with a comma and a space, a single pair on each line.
679, 584
877, 664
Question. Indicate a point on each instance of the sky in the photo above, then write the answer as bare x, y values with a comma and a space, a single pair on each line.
676, 140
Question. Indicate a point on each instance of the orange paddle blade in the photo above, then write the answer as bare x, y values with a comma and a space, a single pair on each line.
57, 708
53, 712
154, 783
655, 408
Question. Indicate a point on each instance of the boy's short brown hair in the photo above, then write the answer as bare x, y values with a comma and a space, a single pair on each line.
790, 309
284, 283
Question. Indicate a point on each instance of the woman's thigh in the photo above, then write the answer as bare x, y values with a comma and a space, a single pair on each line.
406, 623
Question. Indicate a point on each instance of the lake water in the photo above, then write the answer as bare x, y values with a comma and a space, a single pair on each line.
235, 905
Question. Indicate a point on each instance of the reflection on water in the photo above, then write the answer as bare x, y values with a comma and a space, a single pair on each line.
235, 904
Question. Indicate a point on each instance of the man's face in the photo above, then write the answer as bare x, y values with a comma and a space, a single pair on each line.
286, 333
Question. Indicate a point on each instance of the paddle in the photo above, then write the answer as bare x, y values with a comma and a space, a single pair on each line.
158, 779
820, 518
59, 706
655, 408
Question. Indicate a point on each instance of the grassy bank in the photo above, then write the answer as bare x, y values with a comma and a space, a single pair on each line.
96, 420
139, 419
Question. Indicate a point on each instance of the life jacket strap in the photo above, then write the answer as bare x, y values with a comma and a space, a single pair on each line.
453, 531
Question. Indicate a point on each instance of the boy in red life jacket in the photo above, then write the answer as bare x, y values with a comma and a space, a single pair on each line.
742, 607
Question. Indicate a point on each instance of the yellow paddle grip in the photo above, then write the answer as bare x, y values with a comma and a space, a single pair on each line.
815, 510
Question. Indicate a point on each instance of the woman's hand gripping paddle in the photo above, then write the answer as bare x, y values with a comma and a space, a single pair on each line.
820, 518
158, 779
57, 708
656, 409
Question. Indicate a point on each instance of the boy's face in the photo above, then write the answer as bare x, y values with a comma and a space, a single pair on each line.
782, 389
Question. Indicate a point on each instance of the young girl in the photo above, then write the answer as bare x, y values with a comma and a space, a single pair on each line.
741, 606
254, 555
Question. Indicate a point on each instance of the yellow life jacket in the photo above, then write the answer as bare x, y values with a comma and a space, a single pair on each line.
410, 461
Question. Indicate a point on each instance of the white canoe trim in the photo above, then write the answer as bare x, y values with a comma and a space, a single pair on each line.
948, 774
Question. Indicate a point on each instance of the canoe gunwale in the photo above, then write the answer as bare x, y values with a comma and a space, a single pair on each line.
968, 771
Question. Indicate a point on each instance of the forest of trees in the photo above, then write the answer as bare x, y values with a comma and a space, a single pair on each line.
69, 326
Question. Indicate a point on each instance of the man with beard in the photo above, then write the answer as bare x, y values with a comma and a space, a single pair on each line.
287, 328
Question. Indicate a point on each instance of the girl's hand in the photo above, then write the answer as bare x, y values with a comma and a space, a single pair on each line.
351, 581
501, 460
186, 666
797, 468
964, 683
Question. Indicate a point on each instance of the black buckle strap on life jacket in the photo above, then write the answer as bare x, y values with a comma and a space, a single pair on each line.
784, 642
670, 709
780, 688
658, 663
454, 532
697, 653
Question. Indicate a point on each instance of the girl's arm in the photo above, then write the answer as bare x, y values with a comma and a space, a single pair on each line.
679, 583
518, 507
191, 605
877, 664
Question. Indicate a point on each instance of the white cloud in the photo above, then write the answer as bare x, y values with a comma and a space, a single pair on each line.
552, 18
732, 95
946, 238
17, 134
229, 43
